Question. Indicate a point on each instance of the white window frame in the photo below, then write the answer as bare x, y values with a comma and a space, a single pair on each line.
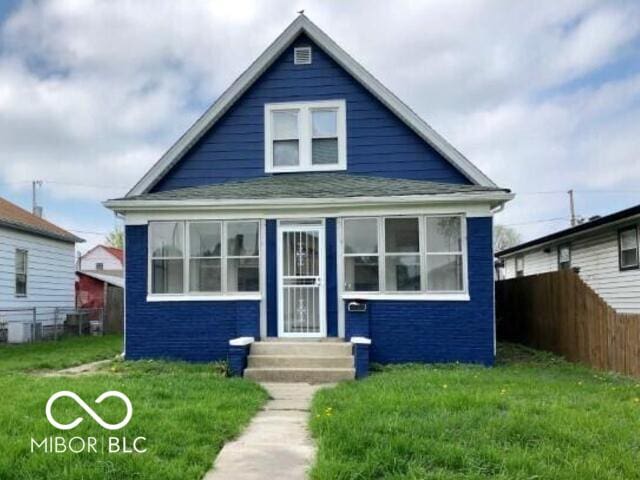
25, 252
305, 135
423, 293
223, 294
519, 273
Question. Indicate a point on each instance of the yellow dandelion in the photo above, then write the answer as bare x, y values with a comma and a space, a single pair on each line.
444, 386
636, 399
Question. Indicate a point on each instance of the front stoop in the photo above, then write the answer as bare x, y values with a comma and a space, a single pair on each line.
300, 361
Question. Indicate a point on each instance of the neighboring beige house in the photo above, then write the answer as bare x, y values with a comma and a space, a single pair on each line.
604, 251
103, 259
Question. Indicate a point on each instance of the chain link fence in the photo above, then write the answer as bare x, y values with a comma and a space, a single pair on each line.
24, 325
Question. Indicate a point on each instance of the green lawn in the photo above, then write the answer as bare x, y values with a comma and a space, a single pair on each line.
185, 411
533, 416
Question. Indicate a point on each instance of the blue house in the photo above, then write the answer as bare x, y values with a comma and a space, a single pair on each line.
312, 222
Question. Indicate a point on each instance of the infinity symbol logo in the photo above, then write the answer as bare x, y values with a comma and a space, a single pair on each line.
89, 410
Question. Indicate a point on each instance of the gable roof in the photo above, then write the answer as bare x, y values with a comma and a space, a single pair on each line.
610, 219
303, 25
116, 252
12, 216
111, 279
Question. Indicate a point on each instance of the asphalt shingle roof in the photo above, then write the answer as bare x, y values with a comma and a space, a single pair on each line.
313, 185
12, 216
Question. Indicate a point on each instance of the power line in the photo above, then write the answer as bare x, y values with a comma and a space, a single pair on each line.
70, 184
545, 220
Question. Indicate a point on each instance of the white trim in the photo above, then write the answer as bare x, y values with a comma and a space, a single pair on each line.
243, 83
404, 296
241, 341
305, 135
174, 297
340, 276
295, 55
360, 340
300, 204
285, 226
263, 278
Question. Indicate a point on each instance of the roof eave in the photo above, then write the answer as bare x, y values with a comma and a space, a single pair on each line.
34, 231
248, 77
495, 199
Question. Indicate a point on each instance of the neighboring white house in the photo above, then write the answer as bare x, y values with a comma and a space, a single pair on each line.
102, 258
604, 251
37, 270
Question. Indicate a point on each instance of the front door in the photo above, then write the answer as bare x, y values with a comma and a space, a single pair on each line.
301, 290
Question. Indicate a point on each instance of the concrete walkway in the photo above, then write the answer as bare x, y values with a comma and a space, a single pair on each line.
276, 444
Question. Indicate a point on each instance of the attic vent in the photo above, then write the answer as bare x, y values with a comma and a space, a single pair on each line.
302, 56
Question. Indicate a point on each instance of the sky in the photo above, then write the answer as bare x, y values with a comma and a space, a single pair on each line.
542, 96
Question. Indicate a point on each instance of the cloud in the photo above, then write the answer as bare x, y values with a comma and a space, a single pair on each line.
541, 95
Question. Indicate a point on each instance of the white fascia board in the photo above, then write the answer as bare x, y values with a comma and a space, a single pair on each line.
124, 205
258, 67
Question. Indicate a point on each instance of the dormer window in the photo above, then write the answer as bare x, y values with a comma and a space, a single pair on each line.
303, 137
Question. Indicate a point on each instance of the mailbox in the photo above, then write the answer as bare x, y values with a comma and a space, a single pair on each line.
357, 306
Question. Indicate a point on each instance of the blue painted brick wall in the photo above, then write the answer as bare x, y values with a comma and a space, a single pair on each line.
195, 331
410, 331
378, 143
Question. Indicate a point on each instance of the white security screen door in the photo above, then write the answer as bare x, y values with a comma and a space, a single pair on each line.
301, 291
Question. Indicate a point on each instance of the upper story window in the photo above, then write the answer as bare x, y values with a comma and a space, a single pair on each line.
628, 248
99, 266
305, 137
564, 256
21, 272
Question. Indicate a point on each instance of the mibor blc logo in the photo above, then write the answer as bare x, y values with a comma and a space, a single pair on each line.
73, 396
61, 444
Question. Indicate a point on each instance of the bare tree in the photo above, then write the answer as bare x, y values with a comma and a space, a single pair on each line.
505, 237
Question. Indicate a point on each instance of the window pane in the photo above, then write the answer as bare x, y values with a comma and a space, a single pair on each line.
401, 235
285, 125
166, 239
324, 151
243, 275
361, 274
205, 239
402, 273
361, 235
628, 258
285, 153
444, 273
166, 276
21, 261
628, 239
205, 275
324, 123
21, 284
242, 239
444, 234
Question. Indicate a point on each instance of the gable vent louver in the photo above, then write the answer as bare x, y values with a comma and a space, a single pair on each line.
302, 56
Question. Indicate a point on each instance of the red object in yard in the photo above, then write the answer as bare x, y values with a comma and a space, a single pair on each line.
89, 292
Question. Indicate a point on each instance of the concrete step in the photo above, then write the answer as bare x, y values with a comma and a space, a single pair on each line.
297, 361
304, 340
305, 349
306, 375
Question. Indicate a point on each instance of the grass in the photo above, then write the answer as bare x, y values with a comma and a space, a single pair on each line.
185, 411
56, 355
532, 416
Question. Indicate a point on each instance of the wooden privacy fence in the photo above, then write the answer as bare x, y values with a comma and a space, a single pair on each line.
559, 312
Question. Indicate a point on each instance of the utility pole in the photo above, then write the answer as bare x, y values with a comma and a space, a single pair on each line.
35, 209
574, 221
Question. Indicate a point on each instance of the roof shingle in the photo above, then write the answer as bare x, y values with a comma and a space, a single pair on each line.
313, 185
12, 216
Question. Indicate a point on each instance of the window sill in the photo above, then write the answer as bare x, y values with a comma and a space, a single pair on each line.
316, 168
202, 298
428, 297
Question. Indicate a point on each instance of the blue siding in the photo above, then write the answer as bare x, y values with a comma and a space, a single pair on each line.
195, 331
332, 277
272, 278
378, 143
410, 331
